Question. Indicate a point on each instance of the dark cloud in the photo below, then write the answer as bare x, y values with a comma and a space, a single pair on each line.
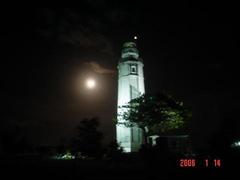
69, 27
99, 69
87, 39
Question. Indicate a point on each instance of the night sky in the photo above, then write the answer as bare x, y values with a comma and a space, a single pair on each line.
189, 50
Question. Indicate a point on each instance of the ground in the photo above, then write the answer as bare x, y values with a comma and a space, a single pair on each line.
35, 168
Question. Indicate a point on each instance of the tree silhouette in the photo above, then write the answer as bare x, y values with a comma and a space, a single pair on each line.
221, 141
114, 150
15, 141
88, 140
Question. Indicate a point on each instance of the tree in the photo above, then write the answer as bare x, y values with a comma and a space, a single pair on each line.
114, 150
88, 140
156, 115
14, 140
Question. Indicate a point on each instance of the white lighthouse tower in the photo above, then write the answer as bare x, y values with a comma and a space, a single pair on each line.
130, 86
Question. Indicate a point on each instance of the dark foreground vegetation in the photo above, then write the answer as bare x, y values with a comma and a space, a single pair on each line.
96, 162
124, 166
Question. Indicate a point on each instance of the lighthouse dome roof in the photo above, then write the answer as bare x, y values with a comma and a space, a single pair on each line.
129, 45
130, 50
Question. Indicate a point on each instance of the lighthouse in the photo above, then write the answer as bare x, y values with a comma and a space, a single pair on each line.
130, 86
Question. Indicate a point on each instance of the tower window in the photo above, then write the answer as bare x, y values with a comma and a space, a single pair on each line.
133, 69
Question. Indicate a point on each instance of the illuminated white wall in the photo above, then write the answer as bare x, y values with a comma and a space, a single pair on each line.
129, 138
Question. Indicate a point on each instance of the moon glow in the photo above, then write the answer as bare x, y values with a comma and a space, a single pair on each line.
90, 83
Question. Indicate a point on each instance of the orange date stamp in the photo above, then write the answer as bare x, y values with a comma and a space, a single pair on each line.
192, 163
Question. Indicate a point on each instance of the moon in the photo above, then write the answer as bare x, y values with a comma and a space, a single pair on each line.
90, 83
